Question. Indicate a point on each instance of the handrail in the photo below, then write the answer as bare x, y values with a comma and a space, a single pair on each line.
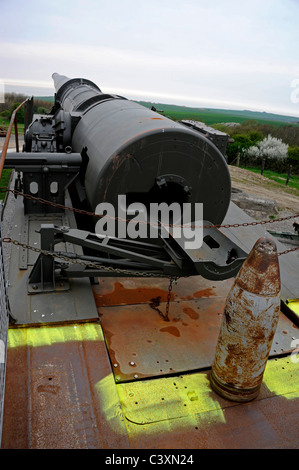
13, 121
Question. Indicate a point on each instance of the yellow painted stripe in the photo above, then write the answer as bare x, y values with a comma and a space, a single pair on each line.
47, 335
293, 304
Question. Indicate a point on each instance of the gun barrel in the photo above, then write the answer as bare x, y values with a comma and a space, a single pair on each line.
129, 149
59, 80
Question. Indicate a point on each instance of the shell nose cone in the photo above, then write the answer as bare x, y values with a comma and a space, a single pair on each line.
260, 272
266, 245
248, 325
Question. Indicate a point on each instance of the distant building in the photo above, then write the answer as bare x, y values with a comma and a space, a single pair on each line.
230, 124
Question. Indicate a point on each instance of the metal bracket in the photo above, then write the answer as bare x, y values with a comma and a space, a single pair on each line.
45, 176
43, 277
218, 258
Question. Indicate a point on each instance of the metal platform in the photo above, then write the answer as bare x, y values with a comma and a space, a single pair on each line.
29, 307
76, 384
141, 344
67, 399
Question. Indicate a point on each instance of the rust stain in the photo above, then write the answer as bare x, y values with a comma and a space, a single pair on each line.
191, 313
171, 330
53, 389
122, 295
155, 303
262, 264
204, 293
132, 363
227, 319
151, 119
208, 292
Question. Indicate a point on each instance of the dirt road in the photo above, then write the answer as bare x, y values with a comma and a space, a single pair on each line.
252, 183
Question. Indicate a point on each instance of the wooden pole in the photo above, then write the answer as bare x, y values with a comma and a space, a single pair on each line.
289, 174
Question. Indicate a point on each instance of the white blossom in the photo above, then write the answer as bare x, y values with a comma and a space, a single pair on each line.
270, 147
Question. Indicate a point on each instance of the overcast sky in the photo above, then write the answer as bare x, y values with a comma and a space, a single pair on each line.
212, 53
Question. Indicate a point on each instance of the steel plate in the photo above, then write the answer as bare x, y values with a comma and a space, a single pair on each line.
129, 291
142, 344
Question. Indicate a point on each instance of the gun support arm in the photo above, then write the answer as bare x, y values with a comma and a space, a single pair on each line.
218, 258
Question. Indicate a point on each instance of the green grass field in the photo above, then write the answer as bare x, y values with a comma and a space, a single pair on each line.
5, 122
209, 117
278, 177
215, 116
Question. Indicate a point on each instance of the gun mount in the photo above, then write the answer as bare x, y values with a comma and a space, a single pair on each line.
100, 365
97, 146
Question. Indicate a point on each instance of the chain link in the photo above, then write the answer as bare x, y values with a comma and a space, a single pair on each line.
156, 302
171, 281
288, 251
86, 264
93, 214
118, 270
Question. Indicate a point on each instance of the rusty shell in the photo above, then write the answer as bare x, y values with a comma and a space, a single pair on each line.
248, 325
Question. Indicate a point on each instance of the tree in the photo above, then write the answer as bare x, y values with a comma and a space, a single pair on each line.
255, 136
269, 147
20, 113
10, 100
293, 158
271, 151
240, 144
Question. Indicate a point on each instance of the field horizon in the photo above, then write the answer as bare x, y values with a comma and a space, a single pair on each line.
211, 115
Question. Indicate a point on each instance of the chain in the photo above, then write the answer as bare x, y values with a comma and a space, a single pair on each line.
93, 214
261, 222
49, 203
156, 301
56, 254
87, 264
171, 281
288, 251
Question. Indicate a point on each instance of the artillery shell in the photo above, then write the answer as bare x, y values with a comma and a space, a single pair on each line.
248, 325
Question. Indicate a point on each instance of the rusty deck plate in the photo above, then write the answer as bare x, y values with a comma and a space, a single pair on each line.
141, 344
130, 291
183, 412
59, 394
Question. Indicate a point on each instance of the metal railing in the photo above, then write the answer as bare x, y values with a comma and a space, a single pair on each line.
13, 122
4, 323
4, 304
